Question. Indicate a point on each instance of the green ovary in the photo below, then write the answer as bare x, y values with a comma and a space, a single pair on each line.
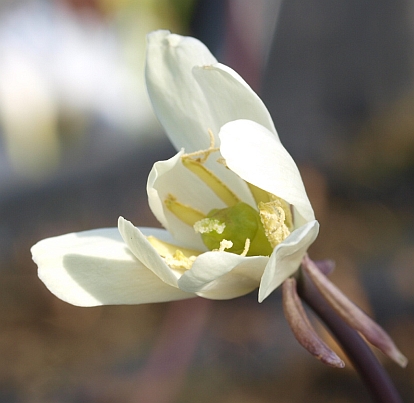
235, 224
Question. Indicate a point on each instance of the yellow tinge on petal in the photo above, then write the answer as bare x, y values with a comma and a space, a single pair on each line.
258, 194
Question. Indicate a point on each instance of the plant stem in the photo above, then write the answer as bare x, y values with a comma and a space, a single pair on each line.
363, 359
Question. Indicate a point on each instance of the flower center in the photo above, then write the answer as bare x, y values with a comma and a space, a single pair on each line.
238, 228
235, 224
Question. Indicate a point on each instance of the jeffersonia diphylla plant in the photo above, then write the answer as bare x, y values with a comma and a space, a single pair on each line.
232, 202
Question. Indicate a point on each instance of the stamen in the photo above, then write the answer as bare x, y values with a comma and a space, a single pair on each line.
204, 154
225, 244
179, 261
261, 195
246, 248
287, 210
185, 213
194, 162
273, 219
211, 180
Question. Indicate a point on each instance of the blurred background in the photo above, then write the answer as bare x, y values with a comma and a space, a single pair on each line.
78, 139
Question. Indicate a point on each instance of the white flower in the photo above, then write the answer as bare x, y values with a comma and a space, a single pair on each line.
232, 202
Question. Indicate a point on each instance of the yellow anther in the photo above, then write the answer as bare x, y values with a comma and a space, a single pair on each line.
224, 244
185, 213
178, 261
286, 208
207, 225
222, 161
211, 180
273, 219
261, 195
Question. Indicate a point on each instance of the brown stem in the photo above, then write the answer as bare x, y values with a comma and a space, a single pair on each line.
351, 314
364, 361
302, 329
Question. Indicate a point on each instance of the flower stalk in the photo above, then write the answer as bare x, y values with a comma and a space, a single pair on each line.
302, 328
363, 359
353, 315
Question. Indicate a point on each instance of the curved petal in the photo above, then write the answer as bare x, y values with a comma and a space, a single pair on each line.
96, 268
178, 101
191, 93
223, 275
286, 258
145, 252
253, 153
231, 97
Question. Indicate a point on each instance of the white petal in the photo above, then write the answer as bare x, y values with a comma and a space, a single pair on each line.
96, 268
231, 98
286, 258
257, 156
222, 275
145, 252
191, 93
177, 99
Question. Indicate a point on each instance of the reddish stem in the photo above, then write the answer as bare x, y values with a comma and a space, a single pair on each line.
363, 359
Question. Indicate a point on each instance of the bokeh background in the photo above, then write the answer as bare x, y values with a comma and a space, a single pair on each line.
78, 139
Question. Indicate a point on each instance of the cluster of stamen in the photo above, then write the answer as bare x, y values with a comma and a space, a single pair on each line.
178, 261
222, 228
